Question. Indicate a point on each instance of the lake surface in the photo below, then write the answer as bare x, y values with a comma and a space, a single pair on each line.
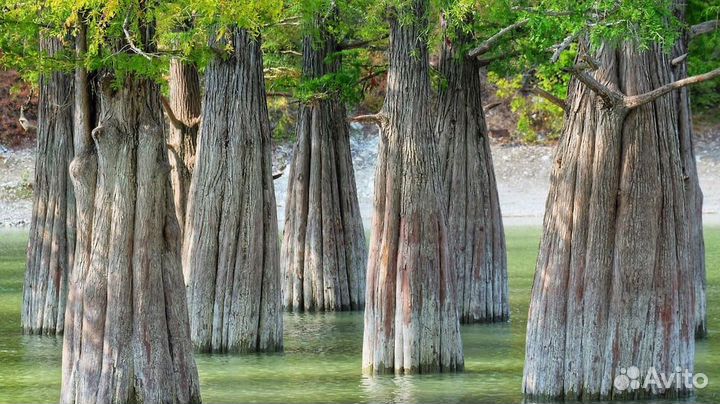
321, 361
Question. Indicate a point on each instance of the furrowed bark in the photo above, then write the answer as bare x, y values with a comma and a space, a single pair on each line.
184, 104
613, 285
693, 193
411, 320
475, 229
51, 243
126, 330
230, 251
324, 253
127, 336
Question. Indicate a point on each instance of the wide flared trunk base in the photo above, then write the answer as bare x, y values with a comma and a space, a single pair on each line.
230, 251
324, 255
475, 230
126, 332
613, 287
51, 245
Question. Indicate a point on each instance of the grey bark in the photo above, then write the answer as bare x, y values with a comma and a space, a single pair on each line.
324, 255
126, 330
51, 243
185, 99
411, 318
475, 230
613, 285
693, 193
231, 251
126, 334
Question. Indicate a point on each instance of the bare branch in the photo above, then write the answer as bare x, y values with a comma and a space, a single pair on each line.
24, 122
679, 59
291, 52
491, 106
642, 99
360, 44
486, 46
378, 119
548, 13
486, 61
294, 20
610, 96
372, 75
278, 94
174, 120
171, 115
548, 96
562, 46
530, 87
704, 28
131, 44
277, 175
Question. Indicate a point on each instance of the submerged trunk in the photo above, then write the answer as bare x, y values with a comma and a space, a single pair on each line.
693, 193
475, 230
52, 231
614, 286
411, 319
230, 252
324, 252
126, 333
185, 107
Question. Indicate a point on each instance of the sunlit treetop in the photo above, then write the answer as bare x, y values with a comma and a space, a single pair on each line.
126, 36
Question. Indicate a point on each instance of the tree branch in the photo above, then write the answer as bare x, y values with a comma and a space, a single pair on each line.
486, 61
486, 46
704, 28
293, 20
492, 106
378, 119
610, 96
278, 94
174, 120
679, 59
635, 101
360, 44
131, 44
544, 12
535, 90
562, 46
24, 122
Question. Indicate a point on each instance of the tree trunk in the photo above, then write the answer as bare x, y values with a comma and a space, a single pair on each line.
324, 253
127, 335
185, 106
52, 232
693, 193
613, 285
411, 319
475, 230
230, 253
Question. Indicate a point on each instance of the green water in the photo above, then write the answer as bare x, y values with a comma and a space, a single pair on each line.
321, 362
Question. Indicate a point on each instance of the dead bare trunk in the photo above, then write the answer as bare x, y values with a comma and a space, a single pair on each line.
693, 193
613, 285
324, 256
475, 230
184, 104
52, 231
230, 252
411, 319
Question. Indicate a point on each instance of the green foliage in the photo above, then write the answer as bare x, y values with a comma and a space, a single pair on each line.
704, 55
537, 117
